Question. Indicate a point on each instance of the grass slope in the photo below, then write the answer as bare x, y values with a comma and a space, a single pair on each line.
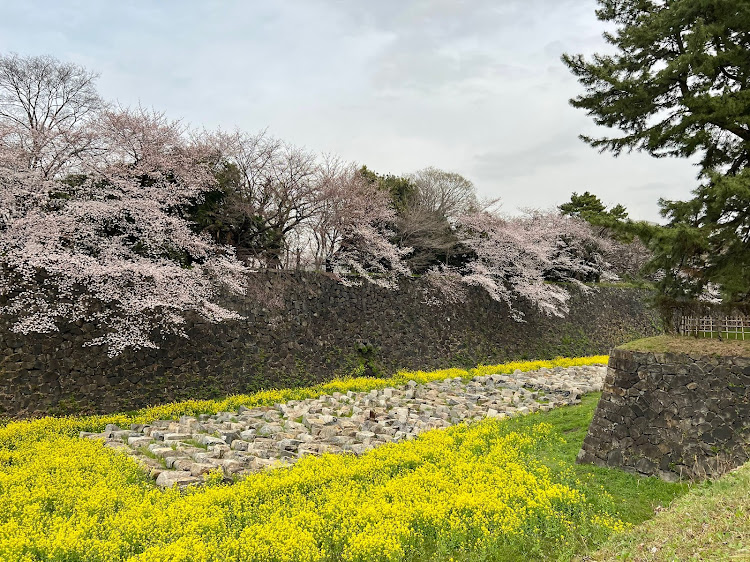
634, 499
711, 522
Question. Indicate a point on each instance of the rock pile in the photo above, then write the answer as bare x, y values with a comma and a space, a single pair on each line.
181, 452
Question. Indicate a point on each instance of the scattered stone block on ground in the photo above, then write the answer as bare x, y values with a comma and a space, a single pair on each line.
254, 439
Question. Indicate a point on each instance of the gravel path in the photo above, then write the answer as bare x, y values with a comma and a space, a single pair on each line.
249, 440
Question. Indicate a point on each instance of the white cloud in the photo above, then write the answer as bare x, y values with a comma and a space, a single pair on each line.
474, 87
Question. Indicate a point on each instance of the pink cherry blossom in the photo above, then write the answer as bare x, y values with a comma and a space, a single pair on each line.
512, 258
110, 247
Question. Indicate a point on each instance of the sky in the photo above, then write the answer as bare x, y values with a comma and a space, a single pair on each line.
469, 86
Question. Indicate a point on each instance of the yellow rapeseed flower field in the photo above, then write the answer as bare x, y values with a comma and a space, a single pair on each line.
468, 491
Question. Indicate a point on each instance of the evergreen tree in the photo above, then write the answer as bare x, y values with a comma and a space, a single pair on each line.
590, 208
586, 204
706, 243
679, 85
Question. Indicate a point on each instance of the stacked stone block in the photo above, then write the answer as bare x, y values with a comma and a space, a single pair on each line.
672, 415
321, 330
253, 439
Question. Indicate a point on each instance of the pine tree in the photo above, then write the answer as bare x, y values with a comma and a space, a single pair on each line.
679, 85
590, 208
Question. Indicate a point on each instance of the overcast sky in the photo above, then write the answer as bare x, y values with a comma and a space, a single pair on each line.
475, 86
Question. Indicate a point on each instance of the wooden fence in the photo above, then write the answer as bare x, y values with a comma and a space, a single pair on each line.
724, 327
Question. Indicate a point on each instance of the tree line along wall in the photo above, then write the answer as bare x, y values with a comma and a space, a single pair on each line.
671, 415
320, 330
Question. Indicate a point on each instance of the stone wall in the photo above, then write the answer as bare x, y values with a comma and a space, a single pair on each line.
322, 330
672, 415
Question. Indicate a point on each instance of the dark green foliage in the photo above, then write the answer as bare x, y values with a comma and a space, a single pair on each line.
208, 214
229, 216
584, 205
399, 187
679, 85
590, 208
74, 180
706, 241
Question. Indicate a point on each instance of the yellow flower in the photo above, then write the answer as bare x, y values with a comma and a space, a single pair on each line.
471, 487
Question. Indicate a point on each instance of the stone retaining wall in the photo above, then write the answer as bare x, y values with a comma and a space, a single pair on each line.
672, 415
322, 330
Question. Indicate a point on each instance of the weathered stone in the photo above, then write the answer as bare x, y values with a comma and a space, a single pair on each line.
362, 435
239, 445
255, 439
209, 440
248, 434
219, 449
136, 442
197, 469
358, 448
169, 478
308, 449
270, 429
182, 464
289, 444
645, 466
671, 429
177, 436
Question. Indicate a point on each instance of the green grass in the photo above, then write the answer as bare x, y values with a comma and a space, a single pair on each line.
690, 345
711, 522
146, 452
634, 498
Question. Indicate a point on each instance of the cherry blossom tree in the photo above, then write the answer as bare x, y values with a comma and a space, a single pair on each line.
350, 230
108, 246
628, 259
576, 250
513, 257
46, 111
